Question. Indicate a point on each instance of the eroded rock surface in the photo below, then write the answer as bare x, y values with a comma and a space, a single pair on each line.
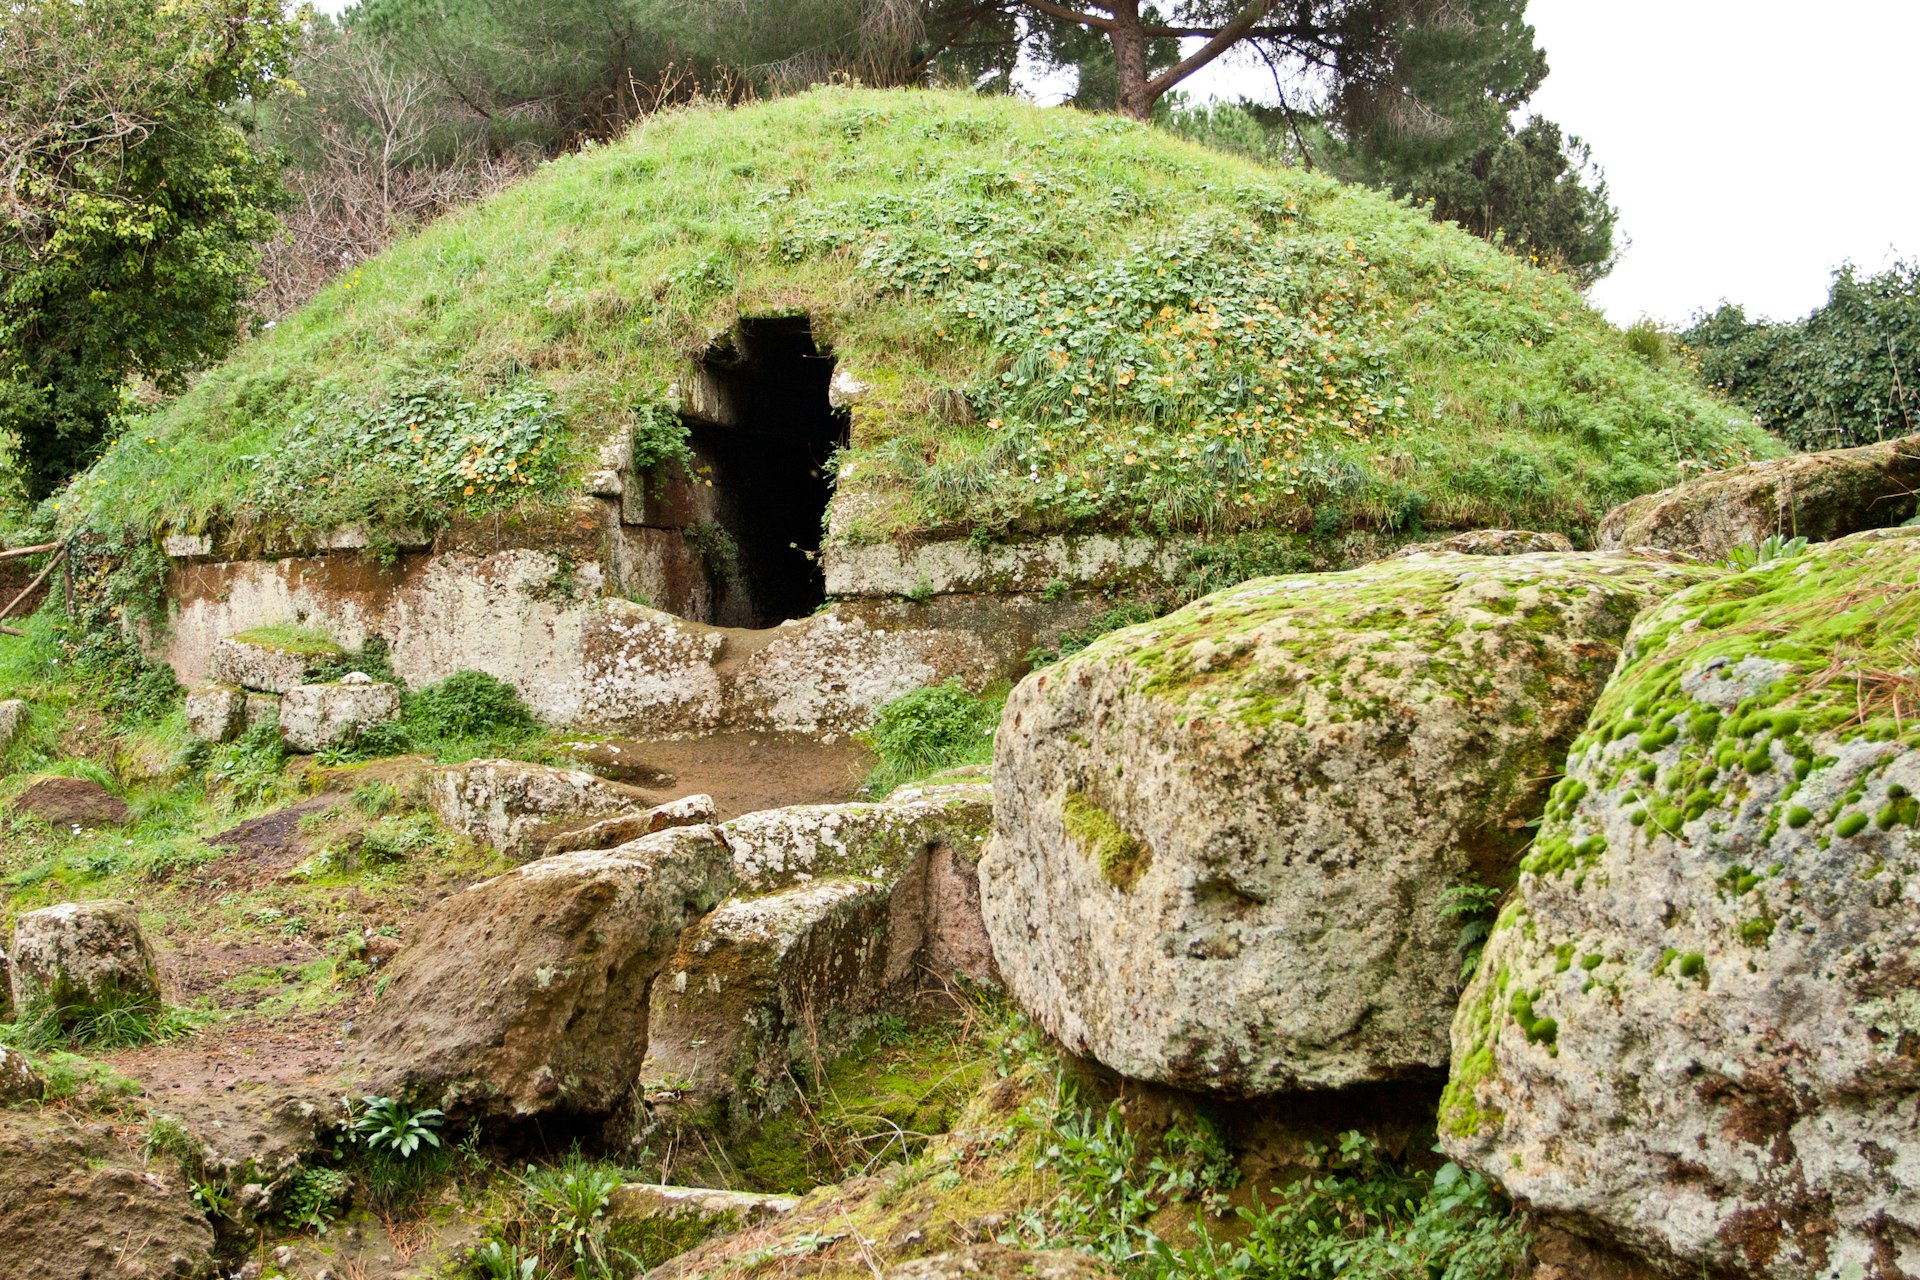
515, 806
314, 717
1693, 1029
1488, 542
779, 847
217, 712
19, 1082
868, 903
80, 956
993, 1262
266, 668
527, 993
72, 802
1817, 496
13, 718
1222, 839
75, 1204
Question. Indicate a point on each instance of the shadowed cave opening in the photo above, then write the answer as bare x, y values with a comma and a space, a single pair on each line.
762, 433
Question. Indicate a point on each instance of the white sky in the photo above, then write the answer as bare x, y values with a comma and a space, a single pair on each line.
1751, 145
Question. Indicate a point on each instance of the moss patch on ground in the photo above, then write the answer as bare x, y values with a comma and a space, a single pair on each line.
1143, 334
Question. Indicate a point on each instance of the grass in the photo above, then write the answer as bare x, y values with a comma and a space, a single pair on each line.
1145, 334
927, 730
289, 638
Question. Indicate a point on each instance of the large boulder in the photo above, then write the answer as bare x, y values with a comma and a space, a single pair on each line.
1817, 496
794, 974
1695, 1032
522, 808
79, 957
527, 993
72, 802
270, 665
1224, 840
75, 1204
760, 983
314, 717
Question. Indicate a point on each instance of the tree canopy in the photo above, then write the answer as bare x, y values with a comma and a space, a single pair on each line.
131, 202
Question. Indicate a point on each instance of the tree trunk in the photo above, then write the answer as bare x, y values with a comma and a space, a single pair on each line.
1130, 58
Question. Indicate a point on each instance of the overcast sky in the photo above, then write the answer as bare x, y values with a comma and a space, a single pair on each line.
1752, 146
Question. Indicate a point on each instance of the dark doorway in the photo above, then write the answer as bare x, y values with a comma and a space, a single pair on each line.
762, 433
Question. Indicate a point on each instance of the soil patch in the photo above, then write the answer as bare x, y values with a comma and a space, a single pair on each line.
743, 772
273, 840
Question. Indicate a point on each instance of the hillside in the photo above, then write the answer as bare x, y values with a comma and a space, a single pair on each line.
1143, 335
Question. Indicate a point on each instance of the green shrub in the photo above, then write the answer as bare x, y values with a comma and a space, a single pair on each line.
930, 729
468, 704
1847, 374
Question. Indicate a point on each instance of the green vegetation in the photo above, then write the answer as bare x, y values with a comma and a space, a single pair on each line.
941, 726
1847, 374
1122, 858
134, 198
1147, 334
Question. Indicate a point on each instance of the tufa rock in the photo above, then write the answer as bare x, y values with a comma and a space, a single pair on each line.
710, 1211
527, 993
72, 802
79, 956
13, 718
1692, 1033
995, 1262
262, 708
19, 1082
316, 716
760, 983
1488, 542
75, 1205
796, 974
217, 712
1817, 496
516, 807
604, 833
780, 847
266, 667
1223, 840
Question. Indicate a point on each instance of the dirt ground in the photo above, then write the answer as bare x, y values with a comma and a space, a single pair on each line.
743, 772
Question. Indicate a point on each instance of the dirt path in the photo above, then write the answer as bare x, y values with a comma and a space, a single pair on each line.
743, 772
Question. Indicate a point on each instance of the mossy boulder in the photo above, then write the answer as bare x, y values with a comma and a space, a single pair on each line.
1817, 496
1222, 840
1694, 1028
82, 958
272, 659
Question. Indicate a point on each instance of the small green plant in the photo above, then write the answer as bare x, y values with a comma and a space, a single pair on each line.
718, 551
1473, 907
251, 767
497, 1261
1755, 554
315, 1197
113, 1020
386, 1126
930, 729
567, 1209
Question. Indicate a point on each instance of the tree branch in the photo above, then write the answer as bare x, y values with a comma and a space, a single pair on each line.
1228, 36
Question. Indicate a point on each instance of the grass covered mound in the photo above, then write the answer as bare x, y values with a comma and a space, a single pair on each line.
1143, 335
